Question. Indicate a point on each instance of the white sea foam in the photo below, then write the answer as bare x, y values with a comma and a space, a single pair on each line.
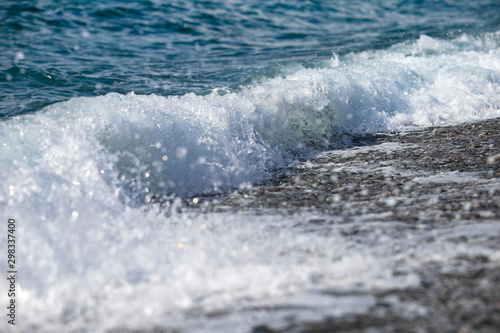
452, 177
195, 144
75, 174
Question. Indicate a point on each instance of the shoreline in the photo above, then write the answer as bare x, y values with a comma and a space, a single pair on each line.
382, 166
435, 179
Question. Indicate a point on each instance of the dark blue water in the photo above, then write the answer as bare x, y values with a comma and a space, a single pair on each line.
54, 50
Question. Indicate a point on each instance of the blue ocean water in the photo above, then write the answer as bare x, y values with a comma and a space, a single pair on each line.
56, 50
108, 107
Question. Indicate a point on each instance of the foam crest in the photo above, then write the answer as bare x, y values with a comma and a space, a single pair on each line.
154, 146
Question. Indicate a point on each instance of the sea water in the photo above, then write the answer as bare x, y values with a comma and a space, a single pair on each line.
115, 114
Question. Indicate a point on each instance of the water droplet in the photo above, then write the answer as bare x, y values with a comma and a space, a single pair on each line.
19, 56
181, 152
74, 216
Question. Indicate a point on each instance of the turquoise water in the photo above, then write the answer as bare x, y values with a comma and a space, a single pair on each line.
55, 50
109, 107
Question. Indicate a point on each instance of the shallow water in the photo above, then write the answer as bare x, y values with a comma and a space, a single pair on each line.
112, 110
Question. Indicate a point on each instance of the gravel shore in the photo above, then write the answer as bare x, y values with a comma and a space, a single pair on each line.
459, 162
431, 180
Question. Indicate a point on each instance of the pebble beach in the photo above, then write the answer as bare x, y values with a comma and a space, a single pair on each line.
428, 186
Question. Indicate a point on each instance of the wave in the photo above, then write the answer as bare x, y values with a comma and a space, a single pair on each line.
75, 171
190, 145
